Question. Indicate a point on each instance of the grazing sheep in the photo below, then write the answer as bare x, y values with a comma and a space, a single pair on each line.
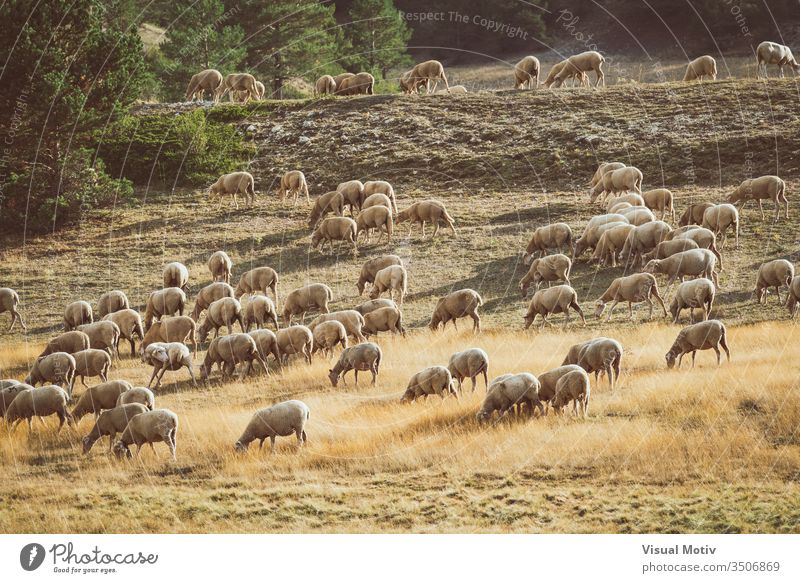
171, 329
619, 180
602, 169
594, 230
9, 393
599, 355
258, 311
615, 207
549, 379
58, 367
384, 320
693, 215
632, 199
366, 356
694, 263
295, 339
544, 239
223, 312
227, 352
759, 189
570, 74
611, 243
220, 265
279, 420
372, 305
327, 335
379, 187
580, 64
426, 211
330, 202
704, 238
554, 300
392, 278
353, 193
775, 274
99, 397
69, 342
164, 302
642, 239
509, 391
457, 304
793, 297
434, 380
92, 363
259, 279
408, 84
38, 402
335, 229
695, 293
325, 85
639, 287
719, 217
705, 66
573, 386
668, 248
377, 199
111, 302
207, 80
149, 427
103, 335
141, 395
294, 182
526, 73
340, 77
301, 300
358, 84
111, 422
701, 336
210, 294
429, 72
371, 267
468, 364
9, 300
267, 343
769, 53
352, 321
375, 217
77, 313
239, 83
176, 275
164, 356
234, 184
638, 214
549, 268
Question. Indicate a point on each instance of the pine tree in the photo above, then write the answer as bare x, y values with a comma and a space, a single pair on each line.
289, 38
378, 36
203, 36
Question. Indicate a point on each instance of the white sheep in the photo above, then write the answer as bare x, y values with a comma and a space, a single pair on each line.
511, 391
775, 273
719, 217
549, 268
639, 287
38, 402
164, 356
279, 420
558, 299
9, 300
759, 189
573, 386
769, 53
457, 304
176, 274
111, 422
113, 301
695, 293
393, 278
141, 395
705, 66
294, 182
149, 427
710, 334
366, 356
526, 73
434, 380
77, 313
469, 364
220, 265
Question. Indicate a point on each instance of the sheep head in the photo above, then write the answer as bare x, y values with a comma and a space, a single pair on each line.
653, 266
121, 450
670, 358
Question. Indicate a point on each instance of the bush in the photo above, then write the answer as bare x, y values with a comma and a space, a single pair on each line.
83, 184
186, 149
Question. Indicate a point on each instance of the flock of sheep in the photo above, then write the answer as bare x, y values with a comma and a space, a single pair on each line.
428, 74
626, 232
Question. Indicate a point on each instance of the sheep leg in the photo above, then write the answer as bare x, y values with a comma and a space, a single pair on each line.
694, 353
435, 229
778, 294
374, 371
760, 208
271, 444
630, 310
155, 370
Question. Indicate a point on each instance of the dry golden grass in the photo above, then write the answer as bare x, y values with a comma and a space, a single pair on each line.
713, 449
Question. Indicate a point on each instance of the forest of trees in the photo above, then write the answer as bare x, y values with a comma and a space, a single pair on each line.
72, 70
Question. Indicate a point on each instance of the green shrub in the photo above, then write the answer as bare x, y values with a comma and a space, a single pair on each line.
186, 149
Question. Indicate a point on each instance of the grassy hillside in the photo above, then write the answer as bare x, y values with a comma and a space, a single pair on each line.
710, 450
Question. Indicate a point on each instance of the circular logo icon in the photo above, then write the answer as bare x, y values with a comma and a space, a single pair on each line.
31, 556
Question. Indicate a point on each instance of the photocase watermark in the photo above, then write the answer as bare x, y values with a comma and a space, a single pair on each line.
570, 24
65, 559
496, 26
16, 127
739, 17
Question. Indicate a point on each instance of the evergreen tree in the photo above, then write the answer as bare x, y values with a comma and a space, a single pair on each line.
202, 35
69, 71
289, 38
378, 36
